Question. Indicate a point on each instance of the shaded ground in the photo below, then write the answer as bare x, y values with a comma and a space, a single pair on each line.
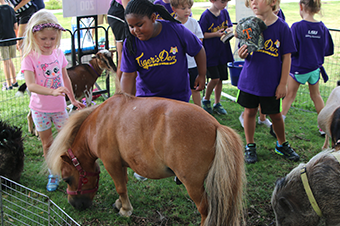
253, 218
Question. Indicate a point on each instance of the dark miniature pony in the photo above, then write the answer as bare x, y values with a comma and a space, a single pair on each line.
291, 203
11, 151
157, 138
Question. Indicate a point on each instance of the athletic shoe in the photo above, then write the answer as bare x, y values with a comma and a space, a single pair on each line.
250, 155
178, 182
241, 119
265, 122
322, 133
219, 109
206, 105
286, 151
139, 177
53, 182
271, 131
15, 84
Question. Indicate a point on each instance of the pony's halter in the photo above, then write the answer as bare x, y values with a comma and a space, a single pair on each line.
82, 177
309, 192
307, 187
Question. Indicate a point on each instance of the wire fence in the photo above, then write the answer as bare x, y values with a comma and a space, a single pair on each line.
23, 206
15, 108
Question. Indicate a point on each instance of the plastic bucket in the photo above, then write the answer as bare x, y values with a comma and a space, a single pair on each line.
235, 69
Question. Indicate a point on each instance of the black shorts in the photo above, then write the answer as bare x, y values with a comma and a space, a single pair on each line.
193, 73
25, 16
115, 17
219, 71
269, 105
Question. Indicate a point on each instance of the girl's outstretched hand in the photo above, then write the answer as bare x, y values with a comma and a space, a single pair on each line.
78, 104
243, 52
61, 91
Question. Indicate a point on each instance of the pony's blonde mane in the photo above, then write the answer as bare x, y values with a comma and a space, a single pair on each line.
65, 138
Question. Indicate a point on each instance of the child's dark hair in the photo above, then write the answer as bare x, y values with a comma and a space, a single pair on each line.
144, 8
313, 6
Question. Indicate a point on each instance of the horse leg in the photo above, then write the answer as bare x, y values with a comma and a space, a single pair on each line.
326, 144
123, 202
199, 196
88, 97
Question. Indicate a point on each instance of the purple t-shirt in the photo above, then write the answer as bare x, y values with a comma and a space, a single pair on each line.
313, 42
281, 14
261, 72
217, 52
161, 62
167, 6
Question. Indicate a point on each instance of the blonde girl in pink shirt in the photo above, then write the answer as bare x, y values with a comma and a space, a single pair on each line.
44, 67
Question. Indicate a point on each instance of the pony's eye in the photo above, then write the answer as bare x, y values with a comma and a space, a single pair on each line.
67, 180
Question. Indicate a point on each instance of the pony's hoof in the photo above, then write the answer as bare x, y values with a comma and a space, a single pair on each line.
125, 213
117, 205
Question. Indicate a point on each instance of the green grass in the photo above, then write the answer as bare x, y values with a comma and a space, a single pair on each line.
53, 4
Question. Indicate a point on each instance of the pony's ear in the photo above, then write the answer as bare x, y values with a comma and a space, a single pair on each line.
285, 205
66, 159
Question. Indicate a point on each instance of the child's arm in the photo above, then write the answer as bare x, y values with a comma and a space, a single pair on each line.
282, 87
124, 3
127, 82
33, 87
201, 63
215, 34
21, 4
70, 94
15, 26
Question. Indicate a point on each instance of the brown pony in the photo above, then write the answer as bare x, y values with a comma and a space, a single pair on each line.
290, 202
156, 138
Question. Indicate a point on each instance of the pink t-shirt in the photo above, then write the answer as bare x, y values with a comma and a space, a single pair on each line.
48, 73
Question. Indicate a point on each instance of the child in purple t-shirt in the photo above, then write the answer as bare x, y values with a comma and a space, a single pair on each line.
157, 50
313, 42
167, 5
214, 21
263, 78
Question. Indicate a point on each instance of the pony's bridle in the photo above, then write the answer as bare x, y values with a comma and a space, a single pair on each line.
308, 189
82, 177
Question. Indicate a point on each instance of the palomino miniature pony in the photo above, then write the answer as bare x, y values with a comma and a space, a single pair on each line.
329, 117
156, 138
290, 200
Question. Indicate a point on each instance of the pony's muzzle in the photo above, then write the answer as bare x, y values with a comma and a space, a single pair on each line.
80, 202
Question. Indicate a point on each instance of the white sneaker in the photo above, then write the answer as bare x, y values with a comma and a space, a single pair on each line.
241, 119
139, 177
20, 76
266, 122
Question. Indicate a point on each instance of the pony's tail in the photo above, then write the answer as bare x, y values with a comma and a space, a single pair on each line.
226, 180
65, 138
